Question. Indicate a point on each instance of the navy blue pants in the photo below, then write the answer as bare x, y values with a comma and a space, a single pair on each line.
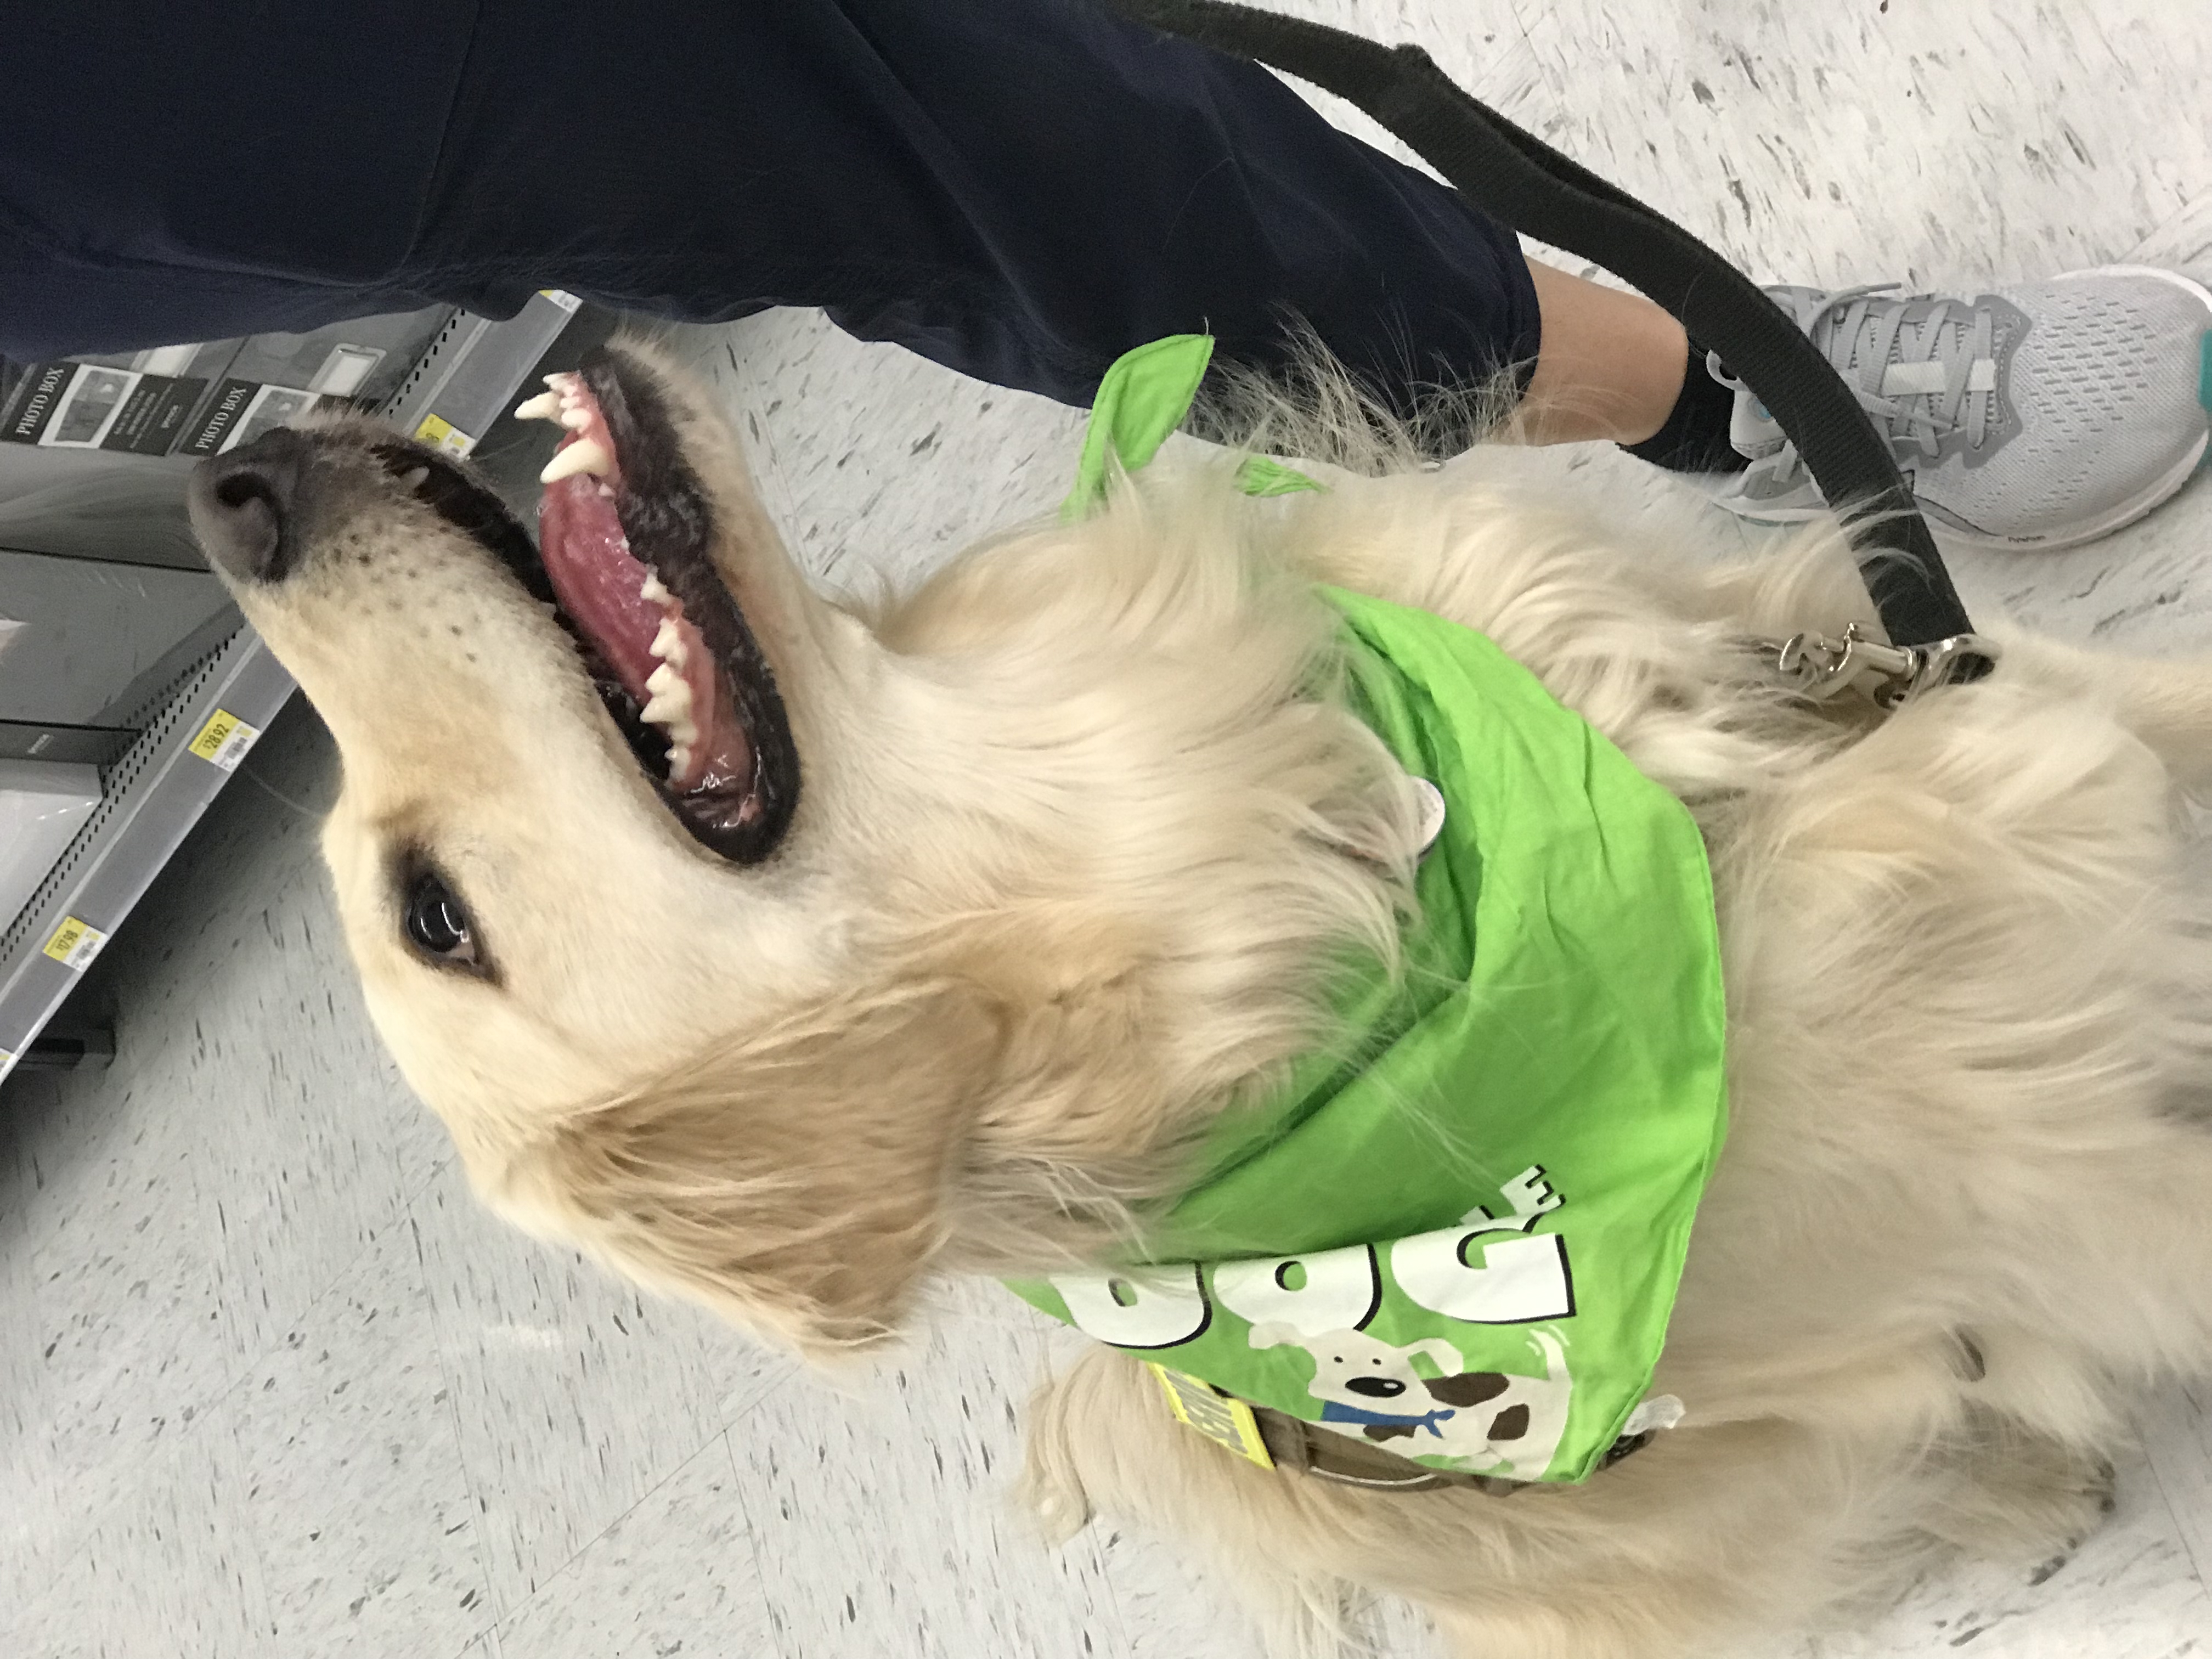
1018, 189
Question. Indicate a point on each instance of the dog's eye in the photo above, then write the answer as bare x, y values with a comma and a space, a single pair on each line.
437, 924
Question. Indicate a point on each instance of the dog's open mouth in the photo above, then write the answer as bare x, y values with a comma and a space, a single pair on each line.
625, 555
662, 660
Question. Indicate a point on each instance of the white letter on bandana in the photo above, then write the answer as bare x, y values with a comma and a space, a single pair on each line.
1518, 1280
1144, 1307
1339, 1291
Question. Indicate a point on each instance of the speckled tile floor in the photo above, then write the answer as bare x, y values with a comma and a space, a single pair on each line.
273, 1386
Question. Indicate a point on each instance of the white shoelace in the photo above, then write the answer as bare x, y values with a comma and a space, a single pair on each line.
1946, 365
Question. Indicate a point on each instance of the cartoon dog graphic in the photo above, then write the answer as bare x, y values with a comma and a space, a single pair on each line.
1506, 1425
1360, 1381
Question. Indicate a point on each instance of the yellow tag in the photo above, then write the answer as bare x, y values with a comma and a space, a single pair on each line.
442, 433
561, 297
224, 740
75, 944
1223, 1420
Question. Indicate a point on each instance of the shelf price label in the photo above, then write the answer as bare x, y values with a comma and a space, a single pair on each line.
75, 944
224, 740
442, 433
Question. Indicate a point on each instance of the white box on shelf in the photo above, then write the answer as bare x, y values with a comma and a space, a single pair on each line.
43, 804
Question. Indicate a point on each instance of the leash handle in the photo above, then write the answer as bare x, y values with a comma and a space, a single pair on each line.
1530, 185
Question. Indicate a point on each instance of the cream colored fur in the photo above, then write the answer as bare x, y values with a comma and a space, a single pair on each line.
1074, 847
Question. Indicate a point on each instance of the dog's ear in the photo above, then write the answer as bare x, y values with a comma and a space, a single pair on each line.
1439, 1352
794, 1181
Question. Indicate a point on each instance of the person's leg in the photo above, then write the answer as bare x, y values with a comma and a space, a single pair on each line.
175, 173
1020, 189
1611, 365
1615, 366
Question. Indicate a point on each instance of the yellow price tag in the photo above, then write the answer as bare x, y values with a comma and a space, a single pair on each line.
442, 433
75, 944
224, 740
1223, 1420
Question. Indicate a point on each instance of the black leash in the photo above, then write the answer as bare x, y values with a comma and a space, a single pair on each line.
1531, 186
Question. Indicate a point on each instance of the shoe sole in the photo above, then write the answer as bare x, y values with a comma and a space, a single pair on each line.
2159, 491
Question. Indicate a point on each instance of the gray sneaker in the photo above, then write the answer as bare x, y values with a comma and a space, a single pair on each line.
2042, 416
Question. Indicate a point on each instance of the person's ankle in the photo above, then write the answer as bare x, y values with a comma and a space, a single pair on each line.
1694, 436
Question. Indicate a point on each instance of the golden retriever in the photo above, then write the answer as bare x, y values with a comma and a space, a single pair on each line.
846, 944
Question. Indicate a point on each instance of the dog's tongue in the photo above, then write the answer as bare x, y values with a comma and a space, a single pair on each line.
639, 627
597, 581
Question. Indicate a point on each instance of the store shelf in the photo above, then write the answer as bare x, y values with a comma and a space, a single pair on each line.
471, 373
193, 738
153, 794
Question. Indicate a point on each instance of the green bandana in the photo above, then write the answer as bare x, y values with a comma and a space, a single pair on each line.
1143, 398
1458, 1232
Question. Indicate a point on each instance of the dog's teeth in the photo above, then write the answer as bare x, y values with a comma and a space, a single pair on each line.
562, 382
575, 418
671, 713
545, 407
653, 590
584, 456
679, 759
668, 645
606, 492
670, 688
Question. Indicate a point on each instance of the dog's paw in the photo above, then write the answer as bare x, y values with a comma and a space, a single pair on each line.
2103, 1490
1059, 1514
2027, 1500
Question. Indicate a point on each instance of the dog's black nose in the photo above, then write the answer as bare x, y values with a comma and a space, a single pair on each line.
1376, 1387
243, 505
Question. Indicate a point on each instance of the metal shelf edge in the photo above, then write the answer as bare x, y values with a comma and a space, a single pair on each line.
466, 379
171, 780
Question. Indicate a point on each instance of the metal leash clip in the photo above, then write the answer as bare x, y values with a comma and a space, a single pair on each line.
1892, 675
